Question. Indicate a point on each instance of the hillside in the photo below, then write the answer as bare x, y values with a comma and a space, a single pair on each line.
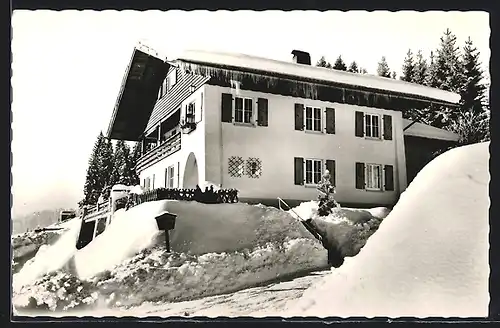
34, 220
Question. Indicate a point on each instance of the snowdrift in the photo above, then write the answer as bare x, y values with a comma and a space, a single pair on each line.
217, 248
349, 228
430, 255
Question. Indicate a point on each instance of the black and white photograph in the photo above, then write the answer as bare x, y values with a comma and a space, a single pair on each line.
250, 164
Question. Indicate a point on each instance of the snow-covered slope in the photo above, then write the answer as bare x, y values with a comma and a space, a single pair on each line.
430, 255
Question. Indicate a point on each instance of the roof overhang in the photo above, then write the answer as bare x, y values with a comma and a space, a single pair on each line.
413, 129
137, 96
311, 73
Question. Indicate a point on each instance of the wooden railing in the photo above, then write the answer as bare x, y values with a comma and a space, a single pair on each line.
168, 147
216, 197
96, 210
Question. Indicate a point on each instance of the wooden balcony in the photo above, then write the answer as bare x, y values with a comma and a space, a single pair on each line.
167, 148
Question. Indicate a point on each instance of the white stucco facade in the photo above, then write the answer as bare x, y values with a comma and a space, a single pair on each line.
213, 142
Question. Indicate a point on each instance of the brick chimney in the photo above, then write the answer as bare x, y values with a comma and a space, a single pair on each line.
301, 57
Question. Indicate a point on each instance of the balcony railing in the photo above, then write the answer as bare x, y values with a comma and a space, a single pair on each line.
168, 147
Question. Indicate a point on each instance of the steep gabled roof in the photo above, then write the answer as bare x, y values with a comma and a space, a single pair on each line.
317, 73
137, 96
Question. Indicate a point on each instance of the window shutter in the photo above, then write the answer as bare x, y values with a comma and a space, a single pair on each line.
299, 117
387, 127
227, 108
359, 128
389, 177
330, 120
262, 112
299, 170
360, 175
330, 166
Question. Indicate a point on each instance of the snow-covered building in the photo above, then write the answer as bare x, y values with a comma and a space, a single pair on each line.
269, 128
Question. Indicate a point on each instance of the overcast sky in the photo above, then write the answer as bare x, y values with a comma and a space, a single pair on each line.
68, 67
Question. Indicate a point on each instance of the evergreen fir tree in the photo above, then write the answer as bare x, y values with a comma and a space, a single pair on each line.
449, 76
339, 64
323, 63
383, 68
408, 67
449, 71
120, 161
473, 90
93, 187
106, 167
353, 67
133, 158
431, 78
420, 70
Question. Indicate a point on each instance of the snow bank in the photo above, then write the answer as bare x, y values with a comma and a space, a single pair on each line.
154, 275
128, 233
49, 258
348, 228
216, 228
430, 255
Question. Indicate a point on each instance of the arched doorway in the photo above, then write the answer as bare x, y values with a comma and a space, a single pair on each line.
190, 179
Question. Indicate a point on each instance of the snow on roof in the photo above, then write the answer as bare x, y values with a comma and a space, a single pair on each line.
318, 73
427, 131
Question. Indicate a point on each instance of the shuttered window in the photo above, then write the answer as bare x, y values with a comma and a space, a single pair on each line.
313, 171
373, 177
372, 126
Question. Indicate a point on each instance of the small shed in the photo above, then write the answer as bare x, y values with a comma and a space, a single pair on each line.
422, 141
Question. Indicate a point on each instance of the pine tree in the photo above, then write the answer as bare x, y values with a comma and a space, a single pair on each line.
473, 90
323, 63
448, 65
133, 158
383, 68
106, 167
449, 76
120, 160
420, 70
408, 67
353, 67
339, 64
431, 78
93, 186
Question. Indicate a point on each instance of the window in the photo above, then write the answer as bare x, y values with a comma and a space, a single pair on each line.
243, 110
313, 171
236, 166
373, 177
190, 113
171, 80
313, 119
254, 167
372, 126
169, 177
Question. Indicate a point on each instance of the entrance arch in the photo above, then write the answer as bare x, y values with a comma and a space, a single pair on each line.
190, 179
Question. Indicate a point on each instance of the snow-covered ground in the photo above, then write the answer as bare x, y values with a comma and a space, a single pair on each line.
217, 249
430, 255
